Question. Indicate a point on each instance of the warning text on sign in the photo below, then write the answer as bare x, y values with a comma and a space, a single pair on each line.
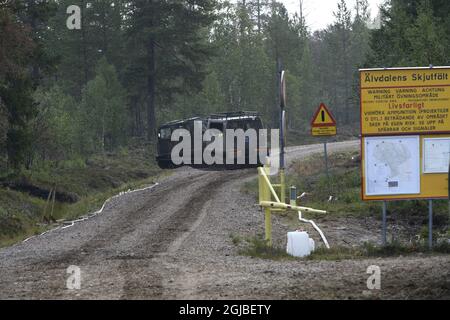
405, 101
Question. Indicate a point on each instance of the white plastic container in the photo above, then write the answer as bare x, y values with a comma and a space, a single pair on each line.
299, 244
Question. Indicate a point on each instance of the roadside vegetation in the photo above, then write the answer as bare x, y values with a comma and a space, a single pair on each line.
340, 195
81, 188
256, 247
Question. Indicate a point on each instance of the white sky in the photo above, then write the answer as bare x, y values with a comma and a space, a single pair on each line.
319, 13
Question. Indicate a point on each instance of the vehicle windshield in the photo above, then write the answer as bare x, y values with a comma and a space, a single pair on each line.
244, 124
165, 133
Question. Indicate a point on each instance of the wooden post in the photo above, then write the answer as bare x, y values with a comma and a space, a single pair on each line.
53, 203
46, 204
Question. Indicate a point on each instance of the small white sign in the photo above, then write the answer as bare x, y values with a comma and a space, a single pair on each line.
436, 154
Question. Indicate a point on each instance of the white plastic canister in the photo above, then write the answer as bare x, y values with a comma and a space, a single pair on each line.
299, 244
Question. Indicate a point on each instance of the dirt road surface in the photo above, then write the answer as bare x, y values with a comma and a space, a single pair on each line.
173, 241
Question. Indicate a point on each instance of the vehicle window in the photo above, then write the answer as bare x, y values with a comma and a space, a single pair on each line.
255, 124
189, 126
216, 125
235, 125
165, 133
244, 124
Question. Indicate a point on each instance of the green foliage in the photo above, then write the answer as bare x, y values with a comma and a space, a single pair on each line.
22, 61
103, 111
426, 37
16, 96
3, 126
54, 127
91, 182
412, 33
169, 44
18, 214
78, 51
169, 60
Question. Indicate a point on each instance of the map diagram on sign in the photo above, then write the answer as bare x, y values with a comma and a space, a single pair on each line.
436, 154
392, 165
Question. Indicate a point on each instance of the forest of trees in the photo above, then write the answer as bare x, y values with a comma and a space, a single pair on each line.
70, 93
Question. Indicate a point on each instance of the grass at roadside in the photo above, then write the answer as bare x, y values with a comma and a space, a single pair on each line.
256, 247
82, 187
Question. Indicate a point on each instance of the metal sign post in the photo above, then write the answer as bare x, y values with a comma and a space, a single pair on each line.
326, 158
430, 224
282, 94
384, 236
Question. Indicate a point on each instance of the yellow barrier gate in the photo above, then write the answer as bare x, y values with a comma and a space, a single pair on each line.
266, 196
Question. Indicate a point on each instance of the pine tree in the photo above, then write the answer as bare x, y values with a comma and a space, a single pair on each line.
342, 28
425, 36
78, 51
23, 62
307, 88
412, 33
169, 34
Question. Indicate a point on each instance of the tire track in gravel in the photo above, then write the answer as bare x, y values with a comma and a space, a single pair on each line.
125, 224
159, 242
96, 250
128, 250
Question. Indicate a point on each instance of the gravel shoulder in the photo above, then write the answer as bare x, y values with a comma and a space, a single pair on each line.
173, 241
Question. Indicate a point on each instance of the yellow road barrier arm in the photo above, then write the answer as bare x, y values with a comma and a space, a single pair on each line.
280, 205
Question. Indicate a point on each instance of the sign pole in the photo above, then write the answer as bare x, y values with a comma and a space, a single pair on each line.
326, 157
268, 226
282, 164
430, 224
282, 100
384, 224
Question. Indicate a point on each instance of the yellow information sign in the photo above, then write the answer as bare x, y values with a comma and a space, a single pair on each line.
323, 131
323, 122
405, 101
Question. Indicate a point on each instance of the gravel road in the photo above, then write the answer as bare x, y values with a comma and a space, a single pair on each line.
173, 241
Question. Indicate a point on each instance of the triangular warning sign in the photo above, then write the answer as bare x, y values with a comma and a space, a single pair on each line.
323, 117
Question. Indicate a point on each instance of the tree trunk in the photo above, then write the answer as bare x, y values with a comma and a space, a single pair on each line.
84, 45
346, 80
259, 16
151, 103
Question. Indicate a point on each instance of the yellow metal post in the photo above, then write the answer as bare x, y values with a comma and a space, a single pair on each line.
268, 226
267, 212
261, 187
265, 194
